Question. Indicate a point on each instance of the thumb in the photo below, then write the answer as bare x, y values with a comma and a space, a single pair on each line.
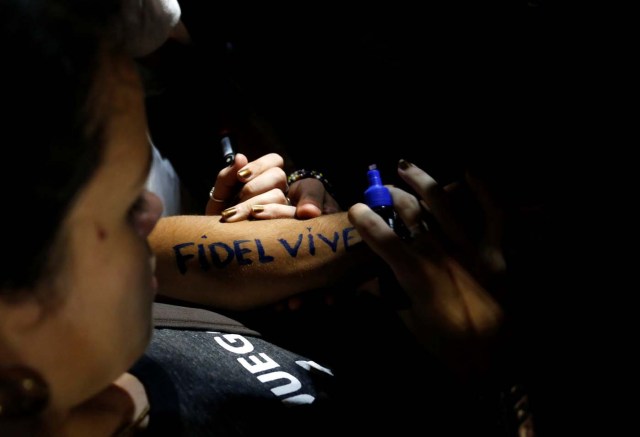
308, 196
377, 234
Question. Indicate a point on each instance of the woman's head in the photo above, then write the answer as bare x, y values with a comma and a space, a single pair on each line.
76, 284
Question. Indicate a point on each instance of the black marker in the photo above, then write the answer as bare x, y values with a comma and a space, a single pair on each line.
227, 150
378, 198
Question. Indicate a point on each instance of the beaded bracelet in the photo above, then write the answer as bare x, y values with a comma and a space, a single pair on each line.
304, 174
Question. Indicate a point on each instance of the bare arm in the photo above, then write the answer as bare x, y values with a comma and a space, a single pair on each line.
247, 264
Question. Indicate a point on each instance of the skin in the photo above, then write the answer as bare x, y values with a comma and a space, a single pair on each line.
259, 190
94, 317
443, 271
237, 287
244, 183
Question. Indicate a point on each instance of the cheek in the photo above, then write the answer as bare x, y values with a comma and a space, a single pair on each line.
117, 263
118, 293
127, 275
104, 324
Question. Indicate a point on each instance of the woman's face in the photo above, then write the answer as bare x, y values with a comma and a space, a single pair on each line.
99, 320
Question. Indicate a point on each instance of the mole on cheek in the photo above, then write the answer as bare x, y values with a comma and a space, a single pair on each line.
102, 233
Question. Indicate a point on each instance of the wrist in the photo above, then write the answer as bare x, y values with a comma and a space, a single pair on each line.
305, 174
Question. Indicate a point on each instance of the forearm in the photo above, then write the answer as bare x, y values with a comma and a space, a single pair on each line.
251, 263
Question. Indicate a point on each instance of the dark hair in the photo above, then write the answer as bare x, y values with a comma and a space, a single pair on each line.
51, 51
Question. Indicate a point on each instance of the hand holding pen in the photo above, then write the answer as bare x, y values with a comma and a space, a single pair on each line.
243, 187
447, 272
259, 190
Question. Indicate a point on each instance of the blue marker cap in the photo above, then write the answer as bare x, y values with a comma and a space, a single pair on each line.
377, 194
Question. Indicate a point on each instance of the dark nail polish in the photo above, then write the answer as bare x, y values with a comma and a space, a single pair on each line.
404, 164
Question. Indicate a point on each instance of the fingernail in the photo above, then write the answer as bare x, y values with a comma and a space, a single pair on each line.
257, 208
229, 212
404, 164
244, 173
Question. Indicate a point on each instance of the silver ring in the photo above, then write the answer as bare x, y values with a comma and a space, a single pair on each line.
418, 229
288, 201
212, 197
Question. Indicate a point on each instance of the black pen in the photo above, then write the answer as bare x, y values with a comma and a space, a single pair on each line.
227, 150
378, 198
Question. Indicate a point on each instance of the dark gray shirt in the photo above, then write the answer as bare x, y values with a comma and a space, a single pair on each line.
213, 383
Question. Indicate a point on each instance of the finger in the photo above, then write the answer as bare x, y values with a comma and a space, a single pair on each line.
312, 199
272, 211
411, 214
435, 199
226, 186
409, 211
227, 180
377, 234
308, 197
243, 210
270, 179
255, 168
330, 206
